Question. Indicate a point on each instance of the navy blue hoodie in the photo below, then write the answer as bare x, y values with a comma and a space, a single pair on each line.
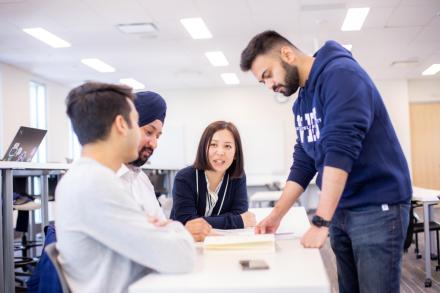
341, 122
187, 205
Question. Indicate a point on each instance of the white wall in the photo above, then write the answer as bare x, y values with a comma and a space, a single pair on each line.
266, 126
16, 110
424, 90
396, 99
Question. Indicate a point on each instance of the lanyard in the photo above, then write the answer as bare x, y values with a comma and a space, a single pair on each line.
224, 193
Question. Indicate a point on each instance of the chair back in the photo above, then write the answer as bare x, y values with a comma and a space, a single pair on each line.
52, 252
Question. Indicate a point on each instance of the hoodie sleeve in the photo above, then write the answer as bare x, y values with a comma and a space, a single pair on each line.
349, 112
303, 167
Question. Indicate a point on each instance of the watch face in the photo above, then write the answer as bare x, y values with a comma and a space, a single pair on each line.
317, 221
320, 222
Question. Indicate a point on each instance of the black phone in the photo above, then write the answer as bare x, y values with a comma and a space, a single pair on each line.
253, 264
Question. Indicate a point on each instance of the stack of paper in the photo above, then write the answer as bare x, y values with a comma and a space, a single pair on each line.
260, 242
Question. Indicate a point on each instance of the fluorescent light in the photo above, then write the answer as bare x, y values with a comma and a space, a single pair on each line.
431, 70
230, 78
138, 28
46, 37
217, 58
348, 46
355, 19
133, 83
98, 65
196, 27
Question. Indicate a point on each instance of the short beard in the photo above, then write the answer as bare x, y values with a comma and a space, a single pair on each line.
291, 81
139, 162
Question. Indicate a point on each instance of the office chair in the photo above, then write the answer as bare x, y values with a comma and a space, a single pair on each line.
24, 264
158, 181
418, 227
52, 252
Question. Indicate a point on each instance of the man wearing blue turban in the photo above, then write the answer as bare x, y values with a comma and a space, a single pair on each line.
152, 111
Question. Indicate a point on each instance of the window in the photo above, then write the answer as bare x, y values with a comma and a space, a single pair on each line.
38, 108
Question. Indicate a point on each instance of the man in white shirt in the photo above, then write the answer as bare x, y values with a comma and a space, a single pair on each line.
105, 239
152, 111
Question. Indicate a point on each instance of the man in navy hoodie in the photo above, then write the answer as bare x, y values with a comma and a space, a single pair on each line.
345, 135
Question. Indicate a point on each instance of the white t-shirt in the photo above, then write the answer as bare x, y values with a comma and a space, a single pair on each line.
137, 183
104, 237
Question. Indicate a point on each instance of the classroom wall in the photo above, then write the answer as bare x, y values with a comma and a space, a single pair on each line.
265, 125
16, 110
396, 99
424, 90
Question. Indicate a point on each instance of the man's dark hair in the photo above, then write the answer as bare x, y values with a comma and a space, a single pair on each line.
202, 162
93, 106
261, 44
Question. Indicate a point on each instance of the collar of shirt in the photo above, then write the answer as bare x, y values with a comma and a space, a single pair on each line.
125, 169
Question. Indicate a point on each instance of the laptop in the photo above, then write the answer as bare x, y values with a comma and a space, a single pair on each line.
25, 144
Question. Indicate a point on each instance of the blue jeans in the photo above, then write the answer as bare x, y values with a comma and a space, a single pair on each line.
368, 244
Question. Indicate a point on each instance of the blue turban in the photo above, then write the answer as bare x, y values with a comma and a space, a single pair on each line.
150, 106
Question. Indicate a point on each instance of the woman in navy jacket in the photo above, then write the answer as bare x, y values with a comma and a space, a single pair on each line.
214, 187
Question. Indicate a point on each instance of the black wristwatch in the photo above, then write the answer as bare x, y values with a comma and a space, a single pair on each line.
320, 222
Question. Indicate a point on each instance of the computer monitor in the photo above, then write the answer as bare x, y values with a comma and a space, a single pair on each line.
25, 144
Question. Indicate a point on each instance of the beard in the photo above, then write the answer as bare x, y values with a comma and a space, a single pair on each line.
140, 161
291, 80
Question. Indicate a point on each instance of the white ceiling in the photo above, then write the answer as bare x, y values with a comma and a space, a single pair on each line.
395, 30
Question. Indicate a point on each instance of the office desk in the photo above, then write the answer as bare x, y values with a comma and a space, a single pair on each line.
292, 268
427, 197
264, 196
308, 199
8, 170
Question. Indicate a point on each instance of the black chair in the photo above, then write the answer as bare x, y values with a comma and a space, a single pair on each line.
418, 227
25, 205
24, 264
158, 181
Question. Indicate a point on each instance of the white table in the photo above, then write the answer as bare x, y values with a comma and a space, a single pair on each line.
8, 170
292, 267
309, 198
427, 197
264, 196
262, 180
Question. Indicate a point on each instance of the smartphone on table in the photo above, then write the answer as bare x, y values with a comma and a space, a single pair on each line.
253, 264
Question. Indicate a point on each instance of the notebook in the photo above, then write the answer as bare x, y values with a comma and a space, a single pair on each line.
25, 144
259, 242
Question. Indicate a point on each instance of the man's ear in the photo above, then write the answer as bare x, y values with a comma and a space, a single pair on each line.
120, 125
287, 54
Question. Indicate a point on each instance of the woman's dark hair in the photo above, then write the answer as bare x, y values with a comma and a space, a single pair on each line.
202, 163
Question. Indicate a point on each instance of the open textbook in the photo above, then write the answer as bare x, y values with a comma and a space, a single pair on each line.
241, 241
293, 225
